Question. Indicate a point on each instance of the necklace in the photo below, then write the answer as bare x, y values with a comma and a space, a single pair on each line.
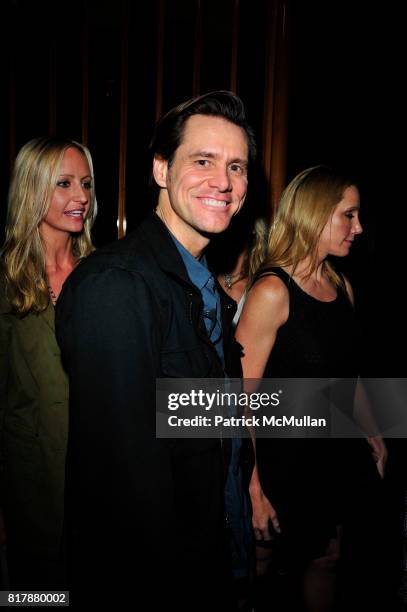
52, 294
231, 279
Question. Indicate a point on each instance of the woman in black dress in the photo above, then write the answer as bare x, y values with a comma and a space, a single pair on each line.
298, 321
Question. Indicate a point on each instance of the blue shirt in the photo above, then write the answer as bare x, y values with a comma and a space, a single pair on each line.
203, 280
236, 504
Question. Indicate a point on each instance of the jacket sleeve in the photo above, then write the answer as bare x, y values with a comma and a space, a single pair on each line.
119, 484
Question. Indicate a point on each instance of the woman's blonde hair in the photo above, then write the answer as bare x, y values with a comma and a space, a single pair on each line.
305, 207
32, 186
256, 250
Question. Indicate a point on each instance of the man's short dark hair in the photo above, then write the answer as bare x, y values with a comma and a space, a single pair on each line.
169, 130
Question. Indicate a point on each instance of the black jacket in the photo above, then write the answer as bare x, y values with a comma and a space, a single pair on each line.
127, 315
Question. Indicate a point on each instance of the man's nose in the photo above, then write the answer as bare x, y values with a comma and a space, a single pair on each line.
220, 179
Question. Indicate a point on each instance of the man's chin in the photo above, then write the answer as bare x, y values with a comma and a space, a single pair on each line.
214, 231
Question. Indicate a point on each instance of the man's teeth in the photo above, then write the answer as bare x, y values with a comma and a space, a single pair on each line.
210, 202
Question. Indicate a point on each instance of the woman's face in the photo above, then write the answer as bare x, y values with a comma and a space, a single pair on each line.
71, 198
339, 232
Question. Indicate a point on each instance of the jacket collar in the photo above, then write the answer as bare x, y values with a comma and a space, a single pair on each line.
160, 243
155, 233
153, 236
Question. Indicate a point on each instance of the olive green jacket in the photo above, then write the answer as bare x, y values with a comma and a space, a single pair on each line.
33, 430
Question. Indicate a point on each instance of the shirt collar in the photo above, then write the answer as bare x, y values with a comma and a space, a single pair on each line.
197, 269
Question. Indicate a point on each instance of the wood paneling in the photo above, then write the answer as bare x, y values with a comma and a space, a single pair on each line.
196, 75
234, 47
276, 101
160, 60
124, 93
109, 78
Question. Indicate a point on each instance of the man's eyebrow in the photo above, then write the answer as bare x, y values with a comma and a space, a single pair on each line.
203, 154
238, 160
211, 155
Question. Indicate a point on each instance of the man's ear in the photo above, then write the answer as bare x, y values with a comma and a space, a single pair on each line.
160, 171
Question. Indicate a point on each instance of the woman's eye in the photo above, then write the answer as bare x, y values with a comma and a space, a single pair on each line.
87, 185
64, 184
349, 215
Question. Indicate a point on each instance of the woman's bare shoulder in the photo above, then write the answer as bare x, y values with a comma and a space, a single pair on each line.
270, 287
269, 300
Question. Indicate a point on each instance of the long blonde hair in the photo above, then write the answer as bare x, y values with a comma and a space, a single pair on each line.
305, 207
256, 250
32, 186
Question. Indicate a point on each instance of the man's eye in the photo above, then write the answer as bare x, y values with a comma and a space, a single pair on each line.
202, 162
236, 168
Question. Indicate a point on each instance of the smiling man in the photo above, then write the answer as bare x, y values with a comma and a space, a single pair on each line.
203, 187
143, 308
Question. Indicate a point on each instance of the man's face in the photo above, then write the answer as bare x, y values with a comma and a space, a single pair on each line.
206, 184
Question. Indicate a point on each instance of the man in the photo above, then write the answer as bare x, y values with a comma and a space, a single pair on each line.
143, 308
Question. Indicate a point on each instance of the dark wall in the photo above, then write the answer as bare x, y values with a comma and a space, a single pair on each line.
345, 109
58, 59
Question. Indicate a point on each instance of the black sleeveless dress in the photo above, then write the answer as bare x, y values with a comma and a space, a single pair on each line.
307, 480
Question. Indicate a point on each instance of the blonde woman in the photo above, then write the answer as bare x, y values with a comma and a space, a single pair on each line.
51, 208
298, 321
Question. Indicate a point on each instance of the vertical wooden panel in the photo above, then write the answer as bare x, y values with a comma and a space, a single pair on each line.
179, 45
275, 101
254, 24
68, 76
104, 39
280, 111
12, 113
269, 91
196, 77
31, 53
52, 87
235, 37
7, 116
216, 44
85, 84
160, 60
175, 50
142, 98
124, 92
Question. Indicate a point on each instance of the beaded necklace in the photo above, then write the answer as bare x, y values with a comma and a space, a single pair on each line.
52, 294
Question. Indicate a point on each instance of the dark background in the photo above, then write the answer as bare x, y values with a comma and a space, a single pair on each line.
344, 107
